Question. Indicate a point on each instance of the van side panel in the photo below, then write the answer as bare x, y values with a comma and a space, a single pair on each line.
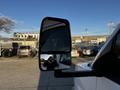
106, 84
85, 83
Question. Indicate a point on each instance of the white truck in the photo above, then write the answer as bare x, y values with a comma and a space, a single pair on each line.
101, 74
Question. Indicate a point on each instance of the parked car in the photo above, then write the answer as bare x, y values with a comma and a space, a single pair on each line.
6, 52
99, 46
89, 50
80, 51
26, 51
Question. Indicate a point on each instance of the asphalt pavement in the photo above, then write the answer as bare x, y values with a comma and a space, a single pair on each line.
24, 74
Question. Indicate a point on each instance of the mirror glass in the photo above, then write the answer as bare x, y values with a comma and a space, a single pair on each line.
55, 61
54, 36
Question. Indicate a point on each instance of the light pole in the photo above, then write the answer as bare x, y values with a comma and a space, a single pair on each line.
111, 25
86, 31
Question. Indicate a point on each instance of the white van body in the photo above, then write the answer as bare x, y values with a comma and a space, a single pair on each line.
93, 82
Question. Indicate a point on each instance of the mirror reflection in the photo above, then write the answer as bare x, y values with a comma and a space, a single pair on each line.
55, 37
55, 61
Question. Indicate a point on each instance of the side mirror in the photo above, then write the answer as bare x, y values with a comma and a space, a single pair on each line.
54, 44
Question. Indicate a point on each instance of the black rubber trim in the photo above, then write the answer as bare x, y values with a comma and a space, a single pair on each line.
61, 74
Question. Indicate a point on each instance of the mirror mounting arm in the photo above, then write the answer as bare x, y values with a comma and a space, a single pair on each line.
61, 74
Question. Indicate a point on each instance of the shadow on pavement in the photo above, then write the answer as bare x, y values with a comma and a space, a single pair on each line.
47, 81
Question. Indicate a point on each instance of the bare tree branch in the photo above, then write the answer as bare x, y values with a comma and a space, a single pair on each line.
6, 24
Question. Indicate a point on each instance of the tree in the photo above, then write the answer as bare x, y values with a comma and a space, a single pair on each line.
6, 24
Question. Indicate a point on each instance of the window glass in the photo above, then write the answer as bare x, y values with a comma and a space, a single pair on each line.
117, 45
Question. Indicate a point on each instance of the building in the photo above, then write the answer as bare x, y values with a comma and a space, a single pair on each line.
76, 39
91, 39
26, 35
6, 43
95, 38
32, 43
26, 38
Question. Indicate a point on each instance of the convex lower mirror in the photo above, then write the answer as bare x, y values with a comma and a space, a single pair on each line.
55, 61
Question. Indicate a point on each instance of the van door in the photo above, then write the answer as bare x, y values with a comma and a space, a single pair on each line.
84, 83
107, 84
110, 69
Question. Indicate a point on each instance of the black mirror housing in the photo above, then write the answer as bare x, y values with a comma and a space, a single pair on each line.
55, 36
55, 44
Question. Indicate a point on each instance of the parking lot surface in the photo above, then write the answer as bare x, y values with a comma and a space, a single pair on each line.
24, 74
